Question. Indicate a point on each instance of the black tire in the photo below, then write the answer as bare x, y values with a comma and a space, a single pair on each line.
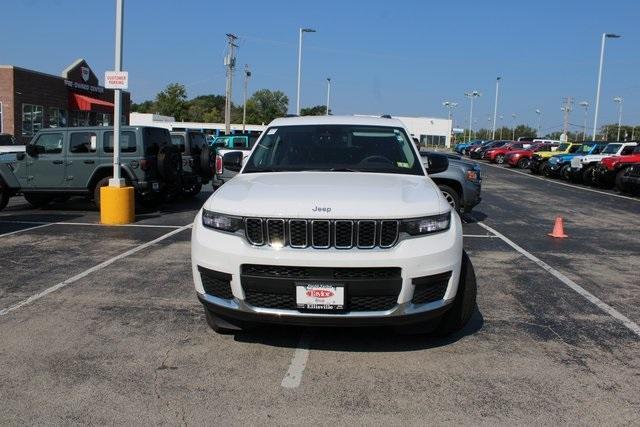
537, 169
219, 325
587, 176
38, 200
169, 163
464, 304
524, 163
4, 197
545, 169
204, 163
565, 172
619, 184
451, 195
500, 159
96, 190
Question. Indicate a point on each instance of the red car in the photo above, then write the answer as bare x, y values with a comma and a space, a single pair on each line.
611, 169
522, 158
498, 155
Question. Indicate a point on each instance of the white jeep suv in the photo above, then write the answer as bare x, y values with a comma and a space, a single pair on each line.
332, 221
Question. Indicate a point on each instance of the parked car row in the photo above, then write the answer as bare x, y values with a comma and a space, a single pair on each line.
593, 163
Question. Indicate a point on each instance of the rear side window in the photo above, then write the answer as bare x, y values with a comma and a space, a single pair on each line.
82, 142
627, 150
155, 139
51, 143
127, 142
178, 141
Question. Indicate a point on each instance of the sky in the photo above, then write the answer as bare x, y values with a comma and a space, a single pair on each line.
383, 57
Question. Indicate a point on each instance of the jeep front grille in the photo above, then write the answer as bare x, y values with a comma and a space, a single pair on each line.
322, 234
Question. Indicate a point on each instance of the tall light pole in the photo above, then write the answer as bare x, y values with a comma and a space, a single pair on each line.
302, 31
513, 131
449, 106
230, 63
247, 74
471, 95
328, 93
585, 105
539, 114
117, 181
595, 117
501, 125
618, 100
495, 108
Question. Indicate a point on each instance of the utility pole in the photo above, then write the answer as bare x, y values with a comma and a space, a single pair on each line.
471, 95
247, 74
566, 108
495, 108
539, 132
300, 33
595, 118
230, 63
117, 181
585, 105
513, 131
618, 100
328, 93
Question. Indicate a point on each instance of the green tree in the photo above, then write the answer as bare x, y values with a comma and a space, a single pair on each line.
143, 107
206, 108
265, 105
318, 110
627, 133
172, 101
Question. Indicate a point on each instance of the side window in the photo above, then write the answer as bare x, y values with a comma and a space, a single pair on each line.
178, 141
596, 150
50, 143
626, 151
127, 142
82, 142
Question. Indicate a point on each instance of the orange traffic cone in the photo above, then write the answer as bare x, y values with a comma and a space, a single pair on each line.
558, 229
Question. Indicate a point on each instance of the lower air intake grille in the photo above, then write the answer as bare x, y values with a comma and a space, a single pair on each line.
216, 283
430, 288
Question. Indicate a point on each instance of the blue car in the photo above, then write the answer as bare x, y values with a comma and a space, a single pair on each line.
460, 148
560, 165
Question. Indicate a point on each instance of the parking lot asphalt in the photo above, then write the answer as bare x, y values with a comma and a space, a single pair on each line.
101, 325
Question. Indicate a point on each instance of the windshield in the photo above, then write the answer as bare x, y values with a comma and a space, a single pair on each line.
585, 148
563, 146
611, 148
574, 148
335, 148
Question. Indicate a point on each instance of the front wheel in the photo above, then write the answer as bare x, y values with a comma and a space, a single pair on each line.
587, 176
565, 172
464, 304
619, 184
523, 163
546, 170
500, 159
451, 196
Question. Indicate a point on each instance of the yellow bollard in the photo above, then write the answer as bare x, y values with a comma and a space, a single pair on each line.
117, 205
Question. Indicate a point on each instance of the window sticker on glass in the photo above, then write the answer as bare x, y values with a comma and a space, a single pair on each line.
403, 164
272, 131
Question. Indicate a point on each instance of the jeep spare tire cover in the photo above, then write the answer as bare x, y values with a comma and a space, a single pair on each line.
169, 162
204, 163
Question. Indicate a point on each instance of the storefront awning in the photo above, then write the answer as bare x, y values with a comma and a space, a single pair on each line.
86, 103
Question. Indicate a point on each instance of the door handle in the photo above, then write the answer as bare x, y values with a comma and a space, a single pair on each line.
89, 162
58, 162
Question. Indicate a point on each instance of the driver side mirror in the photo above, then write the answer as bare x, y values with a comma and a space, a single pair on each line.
33, 150
437, 163
233, 161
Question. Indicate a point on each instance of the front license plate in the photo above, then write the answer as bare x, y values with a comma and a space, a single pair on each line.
320, 296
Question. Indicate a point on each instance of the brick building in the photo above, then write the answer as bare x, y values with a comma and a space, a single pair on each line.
31, 100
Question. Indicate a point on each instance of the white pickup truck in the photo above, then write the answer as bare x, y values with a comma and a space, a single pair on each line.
332, 221
582, 167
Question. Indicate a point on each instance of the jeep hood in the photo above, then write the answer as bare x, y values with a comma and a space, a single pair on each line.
336, 195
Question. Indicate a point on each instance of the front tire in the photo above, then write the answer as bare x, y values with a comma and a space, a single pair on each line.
96, 190
587, 176
500, 159
565, 172
524, 163
619, 184
546, 170
451, 196
464, 304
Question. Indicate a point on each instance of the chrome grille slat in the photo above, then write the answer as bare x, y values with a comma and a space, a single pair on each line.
322, 233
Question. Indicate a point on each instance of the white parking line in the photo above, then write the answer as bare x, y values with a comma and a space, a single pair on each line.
89, 223
570, 283
554, 181
480, 235
93, 269
46, 224
293, 377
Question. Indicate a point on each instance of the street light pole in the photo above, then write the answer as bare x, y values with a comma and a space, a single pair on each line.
595, 118
585, 105
301, 31
495, 108
513, 134
117, 181
247, 74
501, 125
328, 93
539, 113
618, 100
471, 95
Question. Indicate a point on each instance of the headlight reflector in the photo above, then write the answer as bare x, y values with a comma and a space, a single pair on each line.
221, 221
427, 224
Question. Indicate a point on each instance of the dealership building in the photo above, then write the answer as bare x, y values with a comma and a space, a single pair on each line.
31, 100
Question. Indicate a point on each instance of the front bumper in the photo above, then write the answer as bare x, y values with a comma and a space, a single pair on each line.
535, 163
416, 257
471, 195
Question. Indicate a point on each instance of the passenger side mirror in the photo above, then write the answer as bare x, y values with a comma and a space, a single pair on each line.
232, 161
437, 163
34, 150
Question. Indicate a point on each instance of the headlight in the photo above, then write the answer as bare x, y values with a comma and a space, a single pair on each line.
428, 224
220, 221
